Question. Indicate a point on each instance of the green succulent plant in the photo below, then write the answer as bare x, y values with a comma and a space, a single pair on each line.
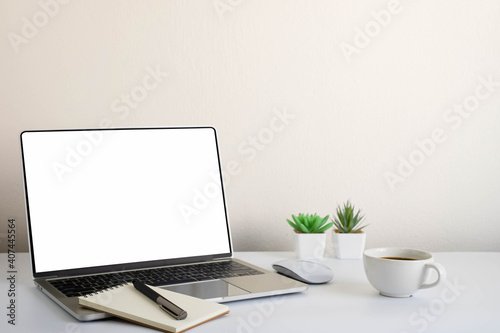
346, 222
309, 223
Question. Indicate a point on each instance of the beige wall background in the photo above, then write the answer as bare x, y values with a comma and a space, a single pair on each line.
393, 105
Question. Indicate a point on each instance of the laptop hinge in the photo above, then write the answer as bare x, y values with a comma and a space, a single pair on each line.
45, 278
220, 259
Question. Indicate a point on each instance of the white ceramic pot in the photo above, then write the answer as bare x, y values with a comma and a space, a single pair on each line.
349, 246
310, 246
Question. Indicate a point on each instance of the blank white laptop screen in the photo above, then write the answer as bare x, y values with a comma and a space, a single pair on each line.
118, 196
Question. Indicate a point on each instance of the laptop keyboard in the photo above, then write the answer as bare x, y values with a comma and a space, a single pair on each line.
84, 285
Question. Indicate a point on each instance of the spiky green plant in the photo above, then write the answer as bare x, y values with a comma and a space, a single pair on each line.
346, 221
309, 223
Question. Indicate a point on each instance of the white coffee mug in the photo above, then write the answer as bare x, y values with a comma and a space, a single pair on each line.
400, 272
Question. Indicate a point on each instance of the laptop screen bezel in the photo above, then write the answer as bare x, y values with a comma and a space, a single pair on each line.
128, 265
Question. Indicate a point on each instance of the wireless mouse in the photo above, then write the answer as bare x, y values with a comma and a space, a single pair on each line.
305, 271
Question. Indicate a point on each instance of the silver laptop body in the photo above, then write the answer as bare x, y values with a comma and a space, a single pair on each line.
122, 200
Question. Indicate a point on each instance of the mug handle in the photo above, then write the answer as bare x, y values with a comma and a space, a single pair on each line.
441, 274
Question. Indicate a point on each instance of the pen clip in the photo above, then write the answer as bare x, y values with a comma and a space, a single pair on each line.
167, 311
167, 306
179, 316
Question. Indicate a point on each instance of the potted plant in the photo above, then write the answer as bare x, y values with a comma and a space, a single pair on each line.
348, 238
310, 237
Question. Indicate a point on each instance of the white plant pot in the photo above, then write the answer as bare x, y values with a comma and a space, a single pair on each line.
349, 246
310, 246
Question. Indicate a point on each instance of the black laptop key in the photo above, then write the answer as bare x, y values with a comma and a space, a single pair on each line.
181, 280
204, 278
173, 281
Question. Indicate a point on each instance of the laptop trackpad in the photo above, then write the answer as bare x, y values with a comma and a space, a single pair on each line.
213, 290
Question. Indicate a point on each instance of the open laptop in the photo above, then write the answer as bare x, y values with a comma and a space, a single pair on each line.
107, 206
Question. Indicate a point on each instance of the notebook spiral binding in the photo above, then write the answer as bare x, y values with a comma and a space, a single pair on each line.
107, 289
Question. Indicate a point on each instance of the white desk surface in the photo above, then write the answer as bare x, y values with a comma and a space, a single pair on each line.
468, 302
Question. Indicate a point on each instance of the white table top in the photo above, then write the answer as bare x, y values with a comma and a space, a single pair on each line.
467, 302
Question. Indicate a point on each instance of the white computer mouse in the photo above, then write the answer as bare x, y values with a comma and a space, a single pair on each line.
304, 270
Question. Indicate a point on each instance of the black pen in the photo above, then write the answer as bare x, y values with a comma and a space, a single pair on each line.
164, 303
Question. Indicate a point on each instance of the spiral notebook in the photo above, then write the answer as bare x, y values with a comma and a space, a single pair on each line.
128, 303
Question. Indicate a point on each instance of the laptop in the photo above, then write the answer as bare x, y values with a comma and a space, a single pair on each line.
108, 206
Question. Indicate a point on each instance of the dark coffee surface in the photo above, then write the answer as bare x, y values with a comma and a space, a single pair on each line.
398, 258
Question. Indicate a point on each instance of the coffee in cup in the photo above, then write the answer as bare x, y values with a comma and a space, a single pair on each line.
400, 272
